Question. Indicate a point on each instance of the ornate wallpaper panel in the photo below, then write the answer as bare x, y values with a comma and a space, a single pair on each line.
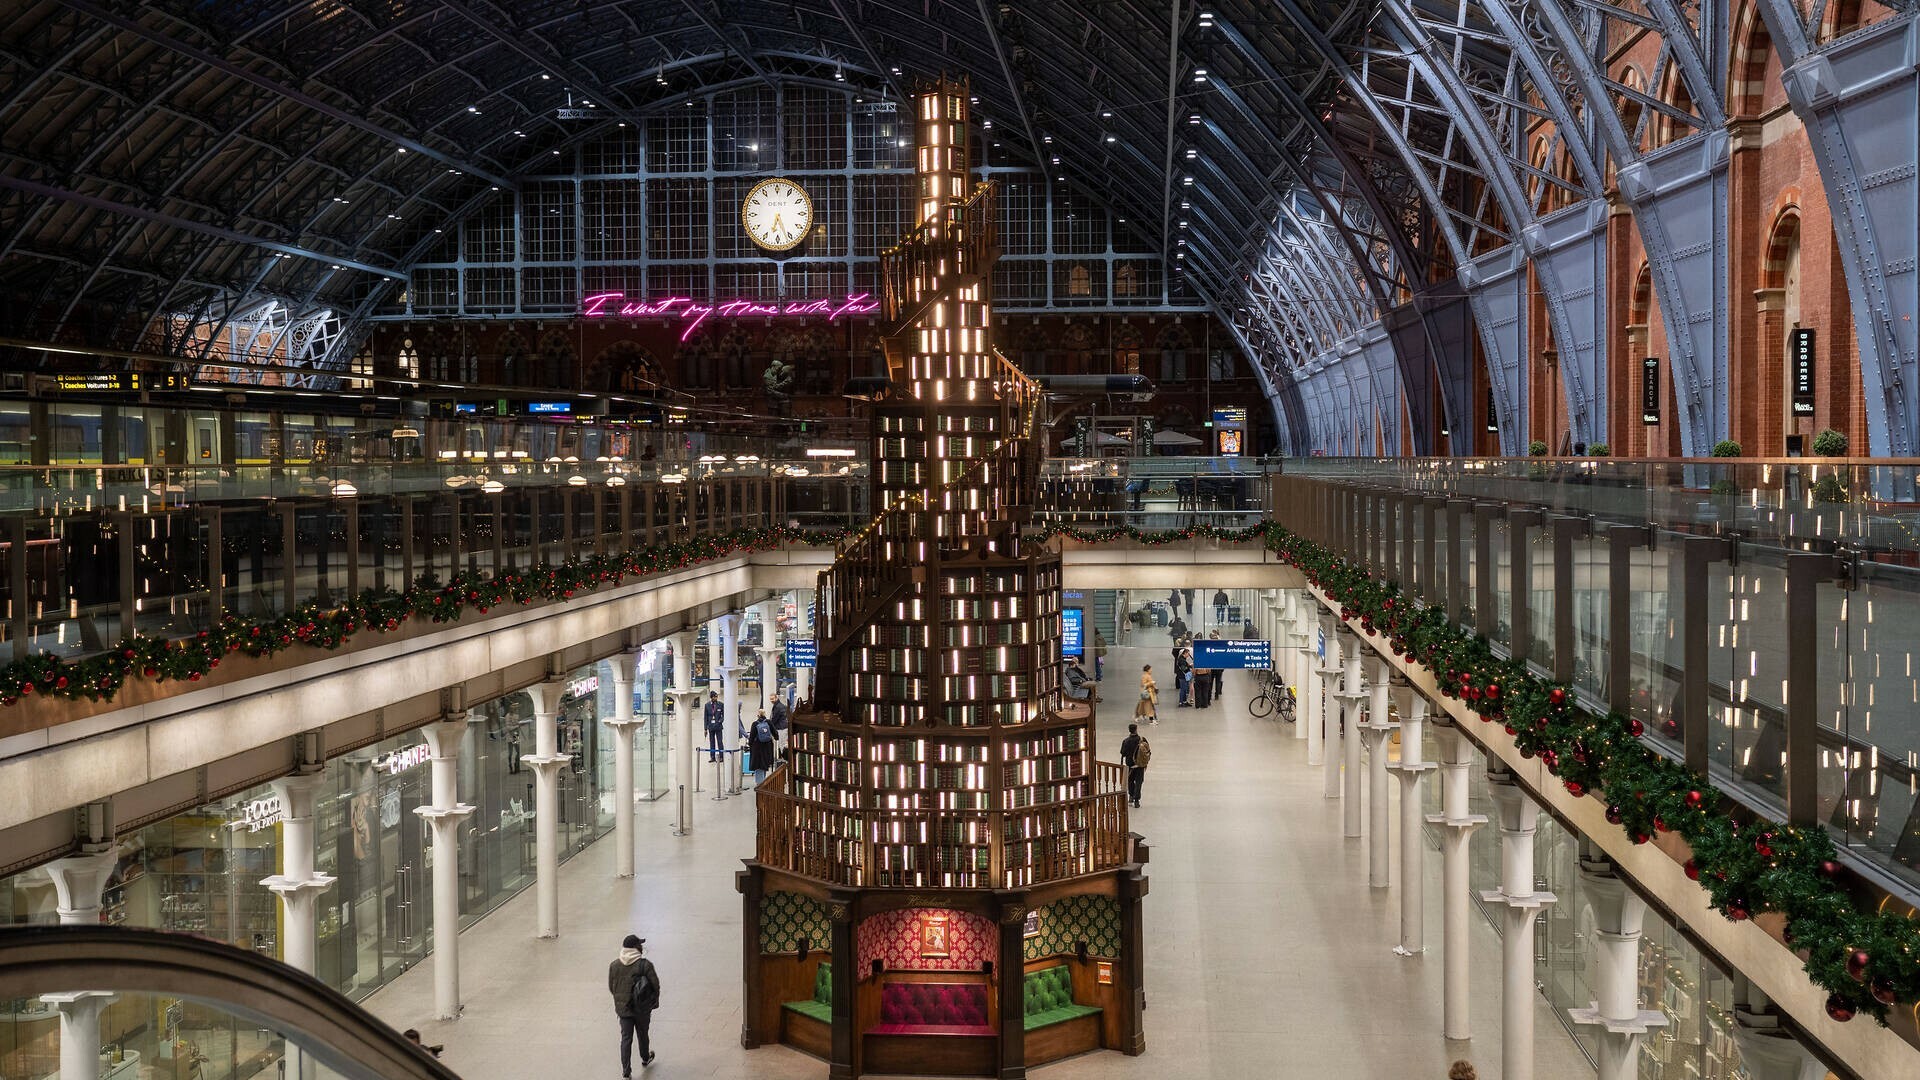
786, 917
1093, 919
893, 937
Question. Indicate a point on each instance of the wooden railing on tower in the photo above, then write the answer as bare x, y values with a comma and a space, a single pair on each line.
930, 262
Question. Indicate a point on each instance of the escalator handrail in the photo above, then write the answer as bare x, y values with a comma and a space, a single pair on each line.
323, 1022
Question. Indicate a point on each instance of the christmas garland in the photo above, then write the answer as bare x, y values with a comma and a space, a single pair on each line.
1865, 960
158, 659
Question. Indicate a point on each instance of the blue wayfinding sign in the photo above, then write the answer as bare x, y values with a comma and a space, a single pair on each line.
803, 652
1072, 640
1212, 653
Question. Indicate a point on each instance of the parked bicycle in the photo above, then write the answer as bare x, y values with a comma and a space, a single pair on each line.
1275, 697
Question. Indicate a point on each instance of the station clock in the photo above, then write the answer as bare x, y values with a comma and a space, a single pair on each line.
777, 214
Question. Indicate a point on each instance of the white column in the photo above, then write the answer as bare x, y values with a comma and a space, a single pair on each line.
1411, 767
730, 627
685, 705
1522, 904
1351, 699
622, 723
79, 1031
444, 816
1379, 735
1298, 643
1617, 917
547, 761
1314, 689
1456, 824
297, 884
1330, 671
78, 881
803, 628
770, 647
1768, 1051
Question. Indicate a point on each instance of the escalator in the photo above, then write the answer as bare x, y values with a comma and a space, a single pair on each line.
144, 1003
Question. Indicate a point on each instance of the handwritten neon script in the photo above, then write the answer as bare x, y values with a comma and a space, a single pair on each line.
613, 305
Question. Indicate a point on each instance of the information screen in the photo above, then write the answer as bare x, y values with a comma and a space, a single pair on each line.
1212, 653
803, 652
1072, 633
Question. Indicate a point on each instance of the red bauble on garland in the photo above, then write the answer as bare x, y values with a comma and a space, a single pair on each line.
1839, 1008
1857, 962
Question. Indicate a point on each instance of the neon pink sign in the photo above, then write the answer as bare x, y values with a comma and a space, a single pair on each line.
613, 305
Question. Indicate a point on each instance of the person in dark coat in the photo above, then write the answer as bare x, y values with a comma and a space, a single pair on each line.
1183, 675
1220, 605
778, 718
1130, 756
635, 987
716, 725
760, 747
1202, 688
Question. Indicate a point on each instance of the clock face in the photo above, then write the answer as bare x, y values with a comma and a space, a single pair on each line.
777, 214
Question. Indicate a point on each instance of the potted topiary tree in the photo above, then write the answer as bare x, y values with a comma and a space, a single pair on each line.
1599, 449
1536, 448
1830, 488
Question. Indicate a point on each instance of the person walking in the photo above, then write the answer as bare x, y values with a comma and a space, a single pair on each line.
1220, 605
1099, 655
760, 747
716, 725
1135, 752
1149, 697
635, 987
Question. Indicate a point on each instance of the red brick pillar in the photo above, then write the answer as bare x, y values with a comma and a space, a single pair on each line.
1636, 441
1759, 405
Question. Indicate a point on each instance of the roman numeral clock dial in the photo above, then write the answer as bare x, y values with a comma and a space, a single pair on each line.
777, 214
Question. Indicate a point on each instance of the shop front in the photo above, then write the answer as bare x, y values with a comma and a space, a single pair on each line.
200, 872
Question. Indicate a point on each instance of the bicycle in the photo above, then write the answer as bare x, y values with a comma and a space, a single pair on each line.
1274, 697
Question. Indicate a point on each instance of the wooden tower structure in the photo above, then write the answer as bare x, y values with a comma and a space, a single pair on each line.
944, 880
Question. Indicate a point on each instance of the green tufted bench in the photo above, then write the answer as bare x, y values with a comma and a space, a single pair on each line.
1049, 998
820, 1005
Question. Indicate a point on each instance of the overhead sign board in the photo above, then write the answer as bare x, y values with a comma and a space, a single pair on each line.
549, 408
1213, 653
803, 652
97, 382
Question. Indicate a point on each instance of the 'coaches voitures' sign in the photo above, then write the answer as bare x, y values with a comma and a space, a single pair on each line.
1800, 355
1211, 653
803, 652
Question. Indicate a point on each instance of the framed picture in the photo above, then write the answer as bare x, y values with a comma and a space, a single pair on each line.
1103, 973
933, 935
1032, 928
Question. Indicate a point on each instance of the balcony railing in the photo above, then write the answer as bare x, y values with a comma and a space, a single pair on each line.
91, 556
1761, 619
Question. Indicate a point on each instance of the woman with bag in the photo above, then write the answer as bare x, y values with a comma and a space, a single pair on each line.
1148, 708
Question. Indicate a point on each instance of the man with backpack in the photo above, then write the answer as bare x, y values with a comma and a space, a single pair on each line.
1135, 753
635, 987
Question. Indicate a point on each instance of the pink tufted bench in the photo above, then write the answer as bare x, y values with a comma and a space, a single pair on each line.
933, 1009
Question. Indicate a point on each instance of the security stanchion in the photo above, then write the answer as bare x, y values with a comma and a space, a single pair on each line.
719, 784
734, 787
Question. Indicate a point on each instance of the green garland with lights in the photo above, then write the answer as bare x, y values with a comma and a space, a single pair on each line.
158, 659
1865, 960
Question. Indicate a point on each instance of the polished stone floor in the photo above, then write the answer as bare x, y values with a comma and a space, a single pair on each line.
1267, 954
